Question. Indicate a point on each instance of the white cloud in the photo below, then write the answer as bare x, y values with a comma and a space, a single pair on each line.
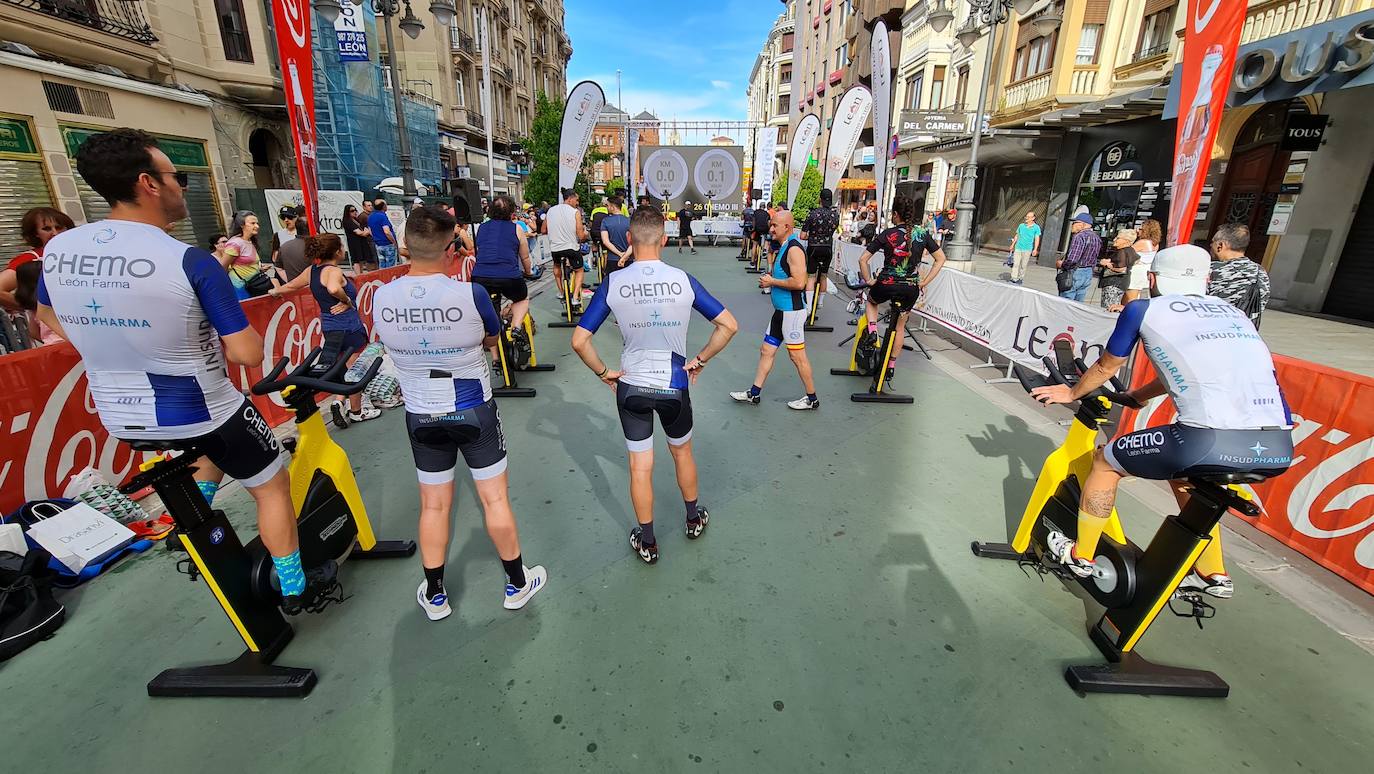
721, 84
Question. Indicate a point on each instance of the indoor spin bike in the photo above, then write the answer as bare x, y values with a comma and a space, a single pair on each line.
515, 352
332, 523
1134, 585
879, 370
569, 317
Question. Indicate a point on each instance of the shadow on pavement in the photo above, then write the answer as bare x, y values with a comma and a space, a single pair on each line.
1024, 451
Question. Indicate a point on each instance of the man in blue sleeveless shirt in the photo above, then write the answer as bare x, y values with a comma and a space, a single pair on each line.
786, 283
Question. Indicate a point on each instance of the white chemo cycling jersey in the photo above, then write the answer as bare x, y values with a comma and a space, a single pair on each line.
146, 312
433, 327
653, 303
562, 222
1209, 357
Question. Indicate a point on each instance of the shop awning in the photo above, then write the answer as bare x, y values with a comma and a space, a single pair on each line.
1147, 101
1001, 146
857, 184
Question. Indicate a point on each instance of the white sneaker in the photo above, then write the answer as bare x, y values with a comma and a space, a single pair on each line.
744, 396
536, 578
1061, 550
368, 412
1219, 585
804, 403
437, 608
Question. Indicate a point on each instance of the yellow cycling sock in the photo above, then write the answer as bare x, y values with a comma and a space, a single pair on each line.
1210, 563
1090, 528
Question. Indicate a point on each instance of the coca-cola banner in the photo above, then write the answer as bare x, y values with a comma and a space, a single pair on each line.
51, 431
850, 119
291, 19
1211, 36
1324, 505
579, 119
808, 129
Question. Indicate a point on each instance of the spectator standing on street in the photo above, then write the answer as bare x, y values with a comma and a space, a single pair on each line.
291, 260
1116, 268
287, 216
1085, 246
1025, 245
684, 227
39, 225
1235, 278
358, 238
383, 235
1150, 235
241, 253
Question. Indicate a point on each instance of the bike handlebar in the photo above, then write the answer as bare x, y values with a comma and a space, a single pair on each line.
331, 381
1031, 380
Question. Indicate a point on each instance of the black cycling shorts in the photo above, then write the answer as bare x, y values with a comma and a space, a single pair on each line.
818, 259
243, 447
337, 342
1179, 451
684, 230
637, 406
510, 288
572, 258
436, 440
902, 294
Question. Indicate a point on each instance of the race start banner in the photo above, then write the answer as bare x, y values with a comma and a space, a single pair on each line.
765, 148
579, 119
880, 55
808, 129
679, 174
1211, 36
850, 119
292, 23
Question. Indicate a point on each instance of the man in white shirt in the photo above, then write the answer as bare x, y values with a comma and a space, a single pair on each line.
566, 231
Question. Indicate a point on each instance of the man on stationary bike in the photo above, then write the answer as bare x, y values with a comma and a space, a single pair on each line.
903, 246
503, 262
1232, 416
653, 303
566, 231
435, 328
154, 320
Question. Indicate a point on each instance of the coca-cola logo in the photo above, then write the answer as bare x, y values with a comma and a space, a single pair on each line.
297, 16
1201, 17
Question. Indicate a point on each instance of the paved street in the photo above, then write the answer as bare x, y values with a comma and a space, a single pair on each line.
832, 618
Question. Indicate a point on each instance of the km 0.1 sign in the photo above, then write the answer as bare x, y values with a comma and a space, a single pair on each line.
937, 123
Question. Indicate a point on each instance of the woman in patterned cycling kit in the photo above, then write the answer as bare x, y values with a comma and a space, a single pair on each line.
343, 328
899, 279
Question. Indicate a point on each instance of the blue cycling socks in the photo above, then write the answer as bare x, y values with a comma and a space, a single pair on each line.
811, 396
691, 510
754, 390
290, 575
207, 490
646, 535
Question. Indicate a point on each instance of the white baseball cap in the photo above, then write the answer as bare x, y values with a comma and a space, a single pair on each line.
1181, 270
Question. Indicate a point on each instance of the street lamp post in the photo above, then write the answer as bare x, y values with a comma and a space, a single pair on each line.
411, 25
990, 14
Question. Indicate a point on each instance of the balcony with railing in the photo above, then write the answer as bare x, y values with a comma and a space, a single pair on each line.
1027, 91
462, 43
123, 18
1084, 81
1276, 17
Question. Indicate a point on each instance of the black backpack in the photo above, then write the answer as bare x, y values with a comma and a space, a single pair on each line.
28, 612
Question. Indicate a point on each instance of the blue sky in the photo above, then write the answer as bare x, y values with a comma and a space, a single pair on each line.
686, 59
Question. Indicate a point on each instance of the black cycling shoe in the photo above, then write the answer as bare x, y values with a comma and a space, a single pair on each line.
695, 527
648, 553
322, 589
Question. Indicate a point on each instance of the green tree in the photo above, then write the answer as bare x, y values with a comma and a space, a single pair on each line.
613, 184
586, 198
808, 193
542, 146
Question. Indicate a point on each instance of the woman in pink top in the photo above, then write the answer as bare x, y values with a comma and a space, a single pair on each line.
241, 254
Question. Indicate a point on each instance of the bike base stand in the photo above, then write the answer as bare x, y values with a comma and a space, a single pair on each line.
385, 549
247, 675
1135, 674
819, 328
846, 372
996, 551
539, 368
512, 392
881, 397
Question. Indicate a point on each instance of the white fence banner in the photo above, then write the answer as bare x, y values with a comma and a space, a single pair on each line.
709, 227
1015, 321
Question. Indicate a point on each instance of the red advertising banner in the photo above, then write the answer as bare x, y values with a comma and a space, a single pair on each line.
1324, 505
49, 426
1211, 36
291, 19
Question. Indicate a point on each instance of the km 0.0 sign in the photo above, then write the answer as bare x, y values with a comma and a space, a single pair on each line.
937, 123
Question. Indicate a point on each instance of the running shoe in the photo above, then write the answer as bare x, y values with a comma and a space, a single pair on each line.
1219, 585
435, 607
745, 396
648, 553
1061, 550
536, 578
337, 413
321, 590
695, 527
804, 403
368, 412
694, 251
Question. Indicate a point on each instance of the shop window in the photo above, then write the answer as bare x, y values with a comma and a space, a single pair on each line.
233, 30
1155, 32
1089, 44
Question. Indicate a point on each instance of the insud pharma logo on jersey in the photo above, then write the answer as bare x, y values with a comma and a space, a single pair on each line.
97, 320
